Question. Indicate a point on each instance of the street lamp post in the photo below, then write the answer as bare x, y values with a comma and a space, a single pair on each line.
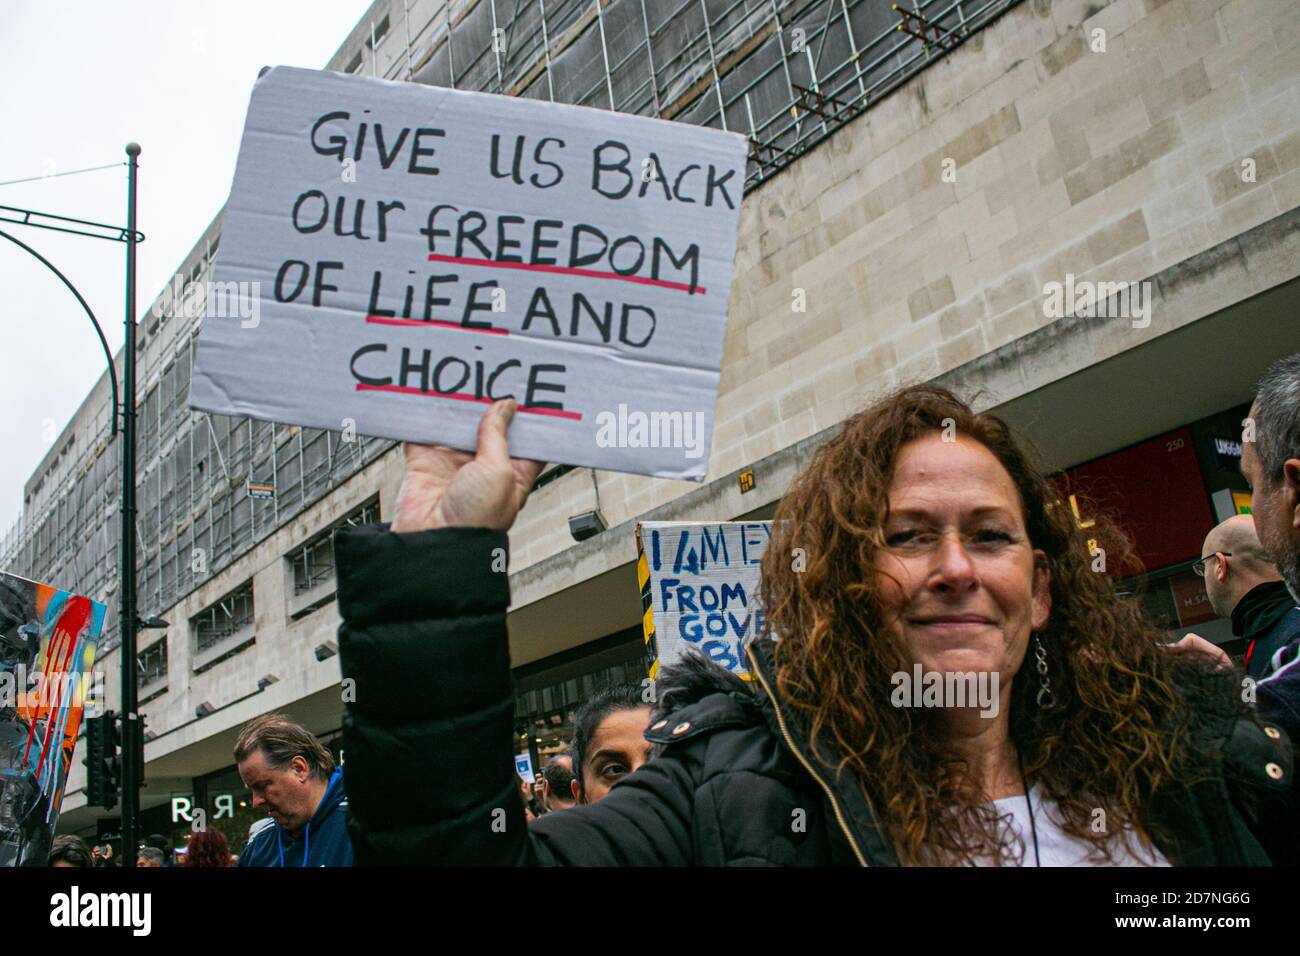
132, 735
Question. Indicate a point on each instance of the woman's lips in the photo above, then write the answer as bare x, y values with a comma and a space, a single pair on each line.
955, 621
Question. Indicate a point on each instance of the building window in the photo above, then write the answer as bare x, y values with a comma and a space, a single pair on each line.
313, 563
152, 663
232, 614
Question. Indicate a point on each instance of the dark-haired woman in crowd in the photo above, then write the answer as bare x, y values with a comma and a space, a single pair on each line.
608, 741
70, 851
927, 545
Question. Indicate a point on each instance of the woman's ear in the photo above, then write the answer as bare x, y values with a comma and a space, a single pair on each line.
573, 788
1042, 594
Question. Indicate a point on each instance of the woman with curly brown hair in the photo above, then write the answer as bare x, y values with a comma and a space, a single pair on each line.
918, 546
932, 541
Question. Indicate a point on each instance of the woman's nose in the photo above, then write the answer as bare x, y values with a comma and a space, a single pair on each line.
953, 567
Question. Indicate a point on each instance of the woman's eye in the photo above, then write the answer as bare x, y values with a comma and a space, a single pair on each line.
613, 770
992, 536
900, 538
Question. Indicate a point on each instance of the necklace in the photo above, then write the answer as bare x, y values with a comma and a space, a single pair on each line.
1029, 803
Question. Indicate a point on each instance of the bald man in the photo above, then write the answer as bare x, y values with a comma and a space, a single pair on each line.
1243, 584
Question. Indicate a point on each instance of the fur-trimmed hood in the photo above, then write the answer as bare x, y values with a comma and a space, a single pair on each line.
692, 679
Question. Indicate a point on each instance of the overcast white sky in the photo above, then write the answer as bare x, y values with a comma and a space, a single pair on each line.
79, 80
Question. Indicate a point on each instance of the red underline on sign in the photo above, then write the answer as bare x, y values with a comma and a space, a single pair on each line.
462, 397
385, 320
568, 271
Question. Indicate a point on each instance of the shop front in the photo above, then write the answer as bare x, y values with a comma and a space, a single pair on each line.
1164, 495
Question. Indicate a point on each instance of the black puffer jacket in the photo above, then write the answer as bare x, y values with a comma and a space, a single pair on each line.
430, 758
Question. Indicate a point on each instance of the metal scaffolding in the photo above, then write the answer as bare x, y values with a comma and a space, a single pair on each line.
787, 74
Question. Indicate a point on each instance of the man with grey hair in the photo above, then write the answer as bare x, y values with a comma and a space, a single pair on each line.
1243, 584
1270, 460
557, 783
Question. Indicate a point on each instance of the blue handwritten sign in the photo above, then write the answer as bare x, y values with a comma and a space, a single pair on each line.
703, 588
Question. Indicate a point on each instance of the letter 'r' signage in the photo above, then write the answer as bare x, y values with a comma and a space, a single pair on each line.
397, 256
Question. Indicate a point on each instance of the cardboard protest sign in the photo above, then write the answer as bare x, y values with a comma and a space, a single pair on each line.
48, 639
700, 588
396, 256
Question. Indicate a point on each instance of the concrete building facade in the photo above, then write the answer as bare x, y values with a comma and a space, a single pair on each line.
920, 222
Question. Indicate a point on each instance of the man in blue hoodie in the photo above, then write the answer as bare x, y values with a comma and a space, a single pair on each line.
294, 777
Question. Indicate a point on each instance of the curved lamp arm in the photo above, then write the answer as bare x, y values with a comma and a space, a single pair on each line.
112, 369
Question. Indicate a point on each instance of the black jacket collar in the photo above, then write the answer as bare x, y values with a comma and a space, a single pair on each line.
849, 802
1260, 609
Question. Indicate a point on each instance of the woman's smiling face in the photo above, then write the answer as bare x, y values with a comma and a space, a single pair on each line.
962, 586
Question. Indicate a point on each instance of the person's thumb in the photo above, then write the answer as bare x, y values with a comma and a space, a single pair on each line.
493, 447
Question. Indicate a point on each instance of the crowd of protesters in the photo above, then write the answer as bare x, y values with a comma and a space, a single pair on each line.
930, 539
205, 848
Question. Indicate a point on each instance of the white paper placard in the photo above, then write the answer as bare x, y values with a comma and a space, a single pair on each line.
396, 255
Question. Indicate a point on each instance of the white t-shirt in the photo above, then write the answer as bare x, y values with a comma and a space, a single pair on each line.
1056, 847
